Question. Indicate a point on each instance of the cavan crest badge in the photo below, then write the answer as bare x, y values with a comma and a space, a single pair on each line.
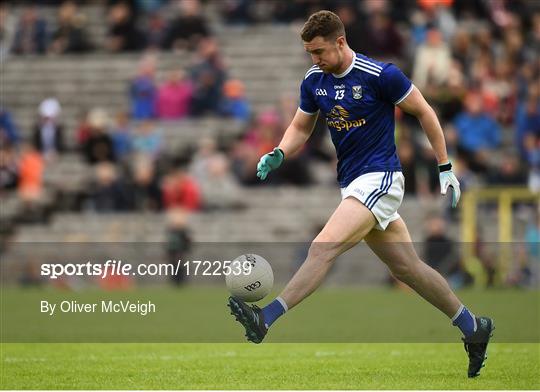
357, 92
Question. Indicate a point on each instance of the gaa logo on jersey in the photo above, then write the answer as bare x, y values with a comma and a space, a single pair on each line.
320, 91
357, 92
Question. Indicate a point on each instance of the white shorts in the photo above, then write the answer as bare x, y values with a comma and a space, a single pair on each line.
381, 192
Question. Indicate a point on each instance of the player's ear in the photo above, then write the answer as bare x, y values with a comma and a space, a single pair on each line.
340, 41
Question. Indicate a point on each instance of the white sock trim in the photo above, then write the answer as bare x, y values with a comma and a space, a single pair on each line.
461, 307
282, 302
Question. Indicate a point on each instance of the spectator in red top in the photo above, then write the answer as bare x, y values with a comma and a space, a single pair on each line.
83, 131
179, 190
174, 96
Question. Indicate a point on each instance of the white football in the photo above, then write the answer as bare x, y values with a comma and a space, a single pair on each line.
251, 278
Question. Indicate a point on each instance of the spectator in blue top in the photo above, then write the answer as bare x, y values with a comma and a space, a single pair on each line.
147, 140
531, 141
208, 76
121, 136
31, 34
235, 104
8, 131
143, 91
527, 122
477, 133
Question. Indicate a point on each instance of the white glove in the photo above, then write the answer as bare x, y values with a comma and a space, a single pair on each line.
447, 179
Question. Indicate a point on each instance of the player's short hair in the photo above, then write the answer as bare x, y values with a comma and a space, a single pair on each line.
325, 24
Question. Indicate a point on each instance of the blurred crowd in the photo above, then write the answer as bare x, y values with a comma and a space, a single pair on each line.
476, 61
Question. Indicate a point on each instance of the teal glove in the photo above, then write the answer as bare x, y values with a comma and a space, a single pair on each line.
269, 162
448, 179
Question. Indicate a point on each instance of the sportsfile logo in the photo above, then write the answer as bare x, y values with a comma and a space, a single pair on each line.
253, 286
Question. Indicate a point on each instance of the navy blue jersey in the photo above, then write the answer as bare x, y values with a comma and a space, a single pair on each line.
359, 110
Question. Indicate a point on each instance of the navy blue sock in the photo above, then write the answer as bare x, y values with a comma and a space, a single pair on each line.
273, 311
465, 321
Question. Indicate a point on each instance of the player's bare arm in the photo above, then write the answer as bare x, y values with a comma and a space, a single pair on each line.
294, 138
298, 132
416, 105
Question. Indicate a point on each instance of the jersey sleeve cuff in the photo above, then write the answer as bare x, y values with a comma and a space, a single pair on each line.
404, 95
308, 113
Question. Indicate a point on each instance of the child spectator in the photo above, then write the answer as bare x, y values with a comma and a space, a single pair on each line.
235, 104
174, 96
147, 140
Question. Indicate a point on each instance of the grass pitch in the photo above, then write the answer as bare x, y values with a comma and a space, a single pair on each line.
265, 366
